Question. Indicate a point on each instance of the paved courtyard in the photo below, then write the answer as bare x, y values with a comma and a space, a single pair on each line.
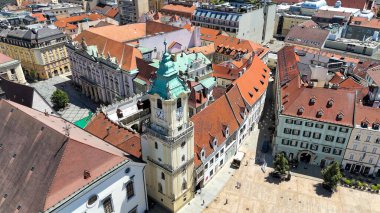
79, 105
258, 193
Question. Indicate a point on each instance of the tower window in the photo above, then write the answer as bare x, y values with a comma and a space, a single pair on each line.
155, 145
159, 104
162, 176
179, 103
159, 187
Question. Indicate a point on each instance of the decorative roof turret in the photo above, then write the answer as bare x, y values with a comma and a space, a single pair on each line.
167, 83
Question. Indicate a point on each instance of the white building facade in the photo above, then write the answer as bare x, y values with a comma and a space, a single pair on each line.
100, 77
120, 190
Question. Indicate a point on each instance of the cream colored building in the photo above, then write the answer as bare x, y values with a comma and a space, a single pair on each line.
363, 150
285, 22
168, 145
11, 69
40, 50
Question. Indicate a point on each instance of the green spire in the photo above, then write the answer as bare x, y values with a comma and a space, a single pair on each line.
167, 84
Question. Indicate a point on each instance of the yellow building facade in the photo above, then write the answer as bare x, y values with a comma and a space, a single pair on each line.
47, 56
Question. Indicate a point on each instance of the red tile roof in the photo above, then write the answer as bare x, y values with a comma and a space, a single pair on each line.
364, 22
237, 104
5, 58
232, 46
310, 37
112, 13
358, 4
350, 83
209, 124
374, 73
254, 81
39, 16
206, 50
124, 139
48, 161
71, 22
343, 102
337, 78
178, 9
371, 115
126, 55
287, 63
209, 34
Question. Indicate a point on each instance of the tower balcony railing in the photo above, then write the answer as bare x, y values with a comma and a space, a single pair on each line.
171, 139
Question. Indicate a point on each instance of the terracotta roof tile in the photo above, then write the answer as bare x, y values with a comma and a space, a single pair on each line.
126, 55
237, 104
209, 123
368, 114
70, 22
343, 102
50, 160
254, 81
178, 9
103, 128
223, 42
112, 13
374, 73
364, 22
5, 58
206, 50
358, 4
39, 16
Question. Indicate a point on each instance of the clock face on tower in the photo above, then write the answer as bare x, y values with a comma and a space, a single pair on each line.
160, 114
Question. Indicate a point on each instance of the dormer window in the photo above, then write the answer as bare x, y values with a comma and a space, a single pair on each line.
226, 132
364, 124
213, 142
250, 94
319, 113
202, 153
330, 102
119, 113
375, 126
263, 76
300, 110
256, 89
339, 116
262, 82
312, 100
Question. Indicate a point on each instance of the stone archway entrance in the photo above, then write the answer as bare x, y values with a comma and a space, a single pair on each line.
305, 156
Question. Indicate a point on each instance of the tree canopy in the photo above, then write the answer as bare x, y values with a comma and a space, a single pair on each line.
60, 99
331, 175
281, 164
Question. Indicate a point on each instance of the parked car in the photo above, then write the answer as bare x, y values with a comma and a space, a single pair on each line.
236, 162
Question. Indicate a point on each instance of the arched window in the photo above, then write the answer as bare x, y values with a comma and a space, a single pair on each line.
179, 103
159, 104
162, 176
184, 185
159, 187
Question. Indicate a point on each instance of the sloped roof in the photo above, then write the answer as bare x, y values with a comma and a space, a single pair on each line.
176, 8
39, 16
254, 81
209, 123
125, 54
43, 166
103, 128
311, 37
368, 114
364, 22
358, 4
236, 45
5, 58
19, 93
237, 103
343, 102
374, 73
70, 22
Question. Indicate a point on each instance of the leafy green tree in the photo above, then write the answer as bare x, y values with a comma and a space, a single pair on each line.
33, 74
59, 99
216, 2
281, 164
331, 175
